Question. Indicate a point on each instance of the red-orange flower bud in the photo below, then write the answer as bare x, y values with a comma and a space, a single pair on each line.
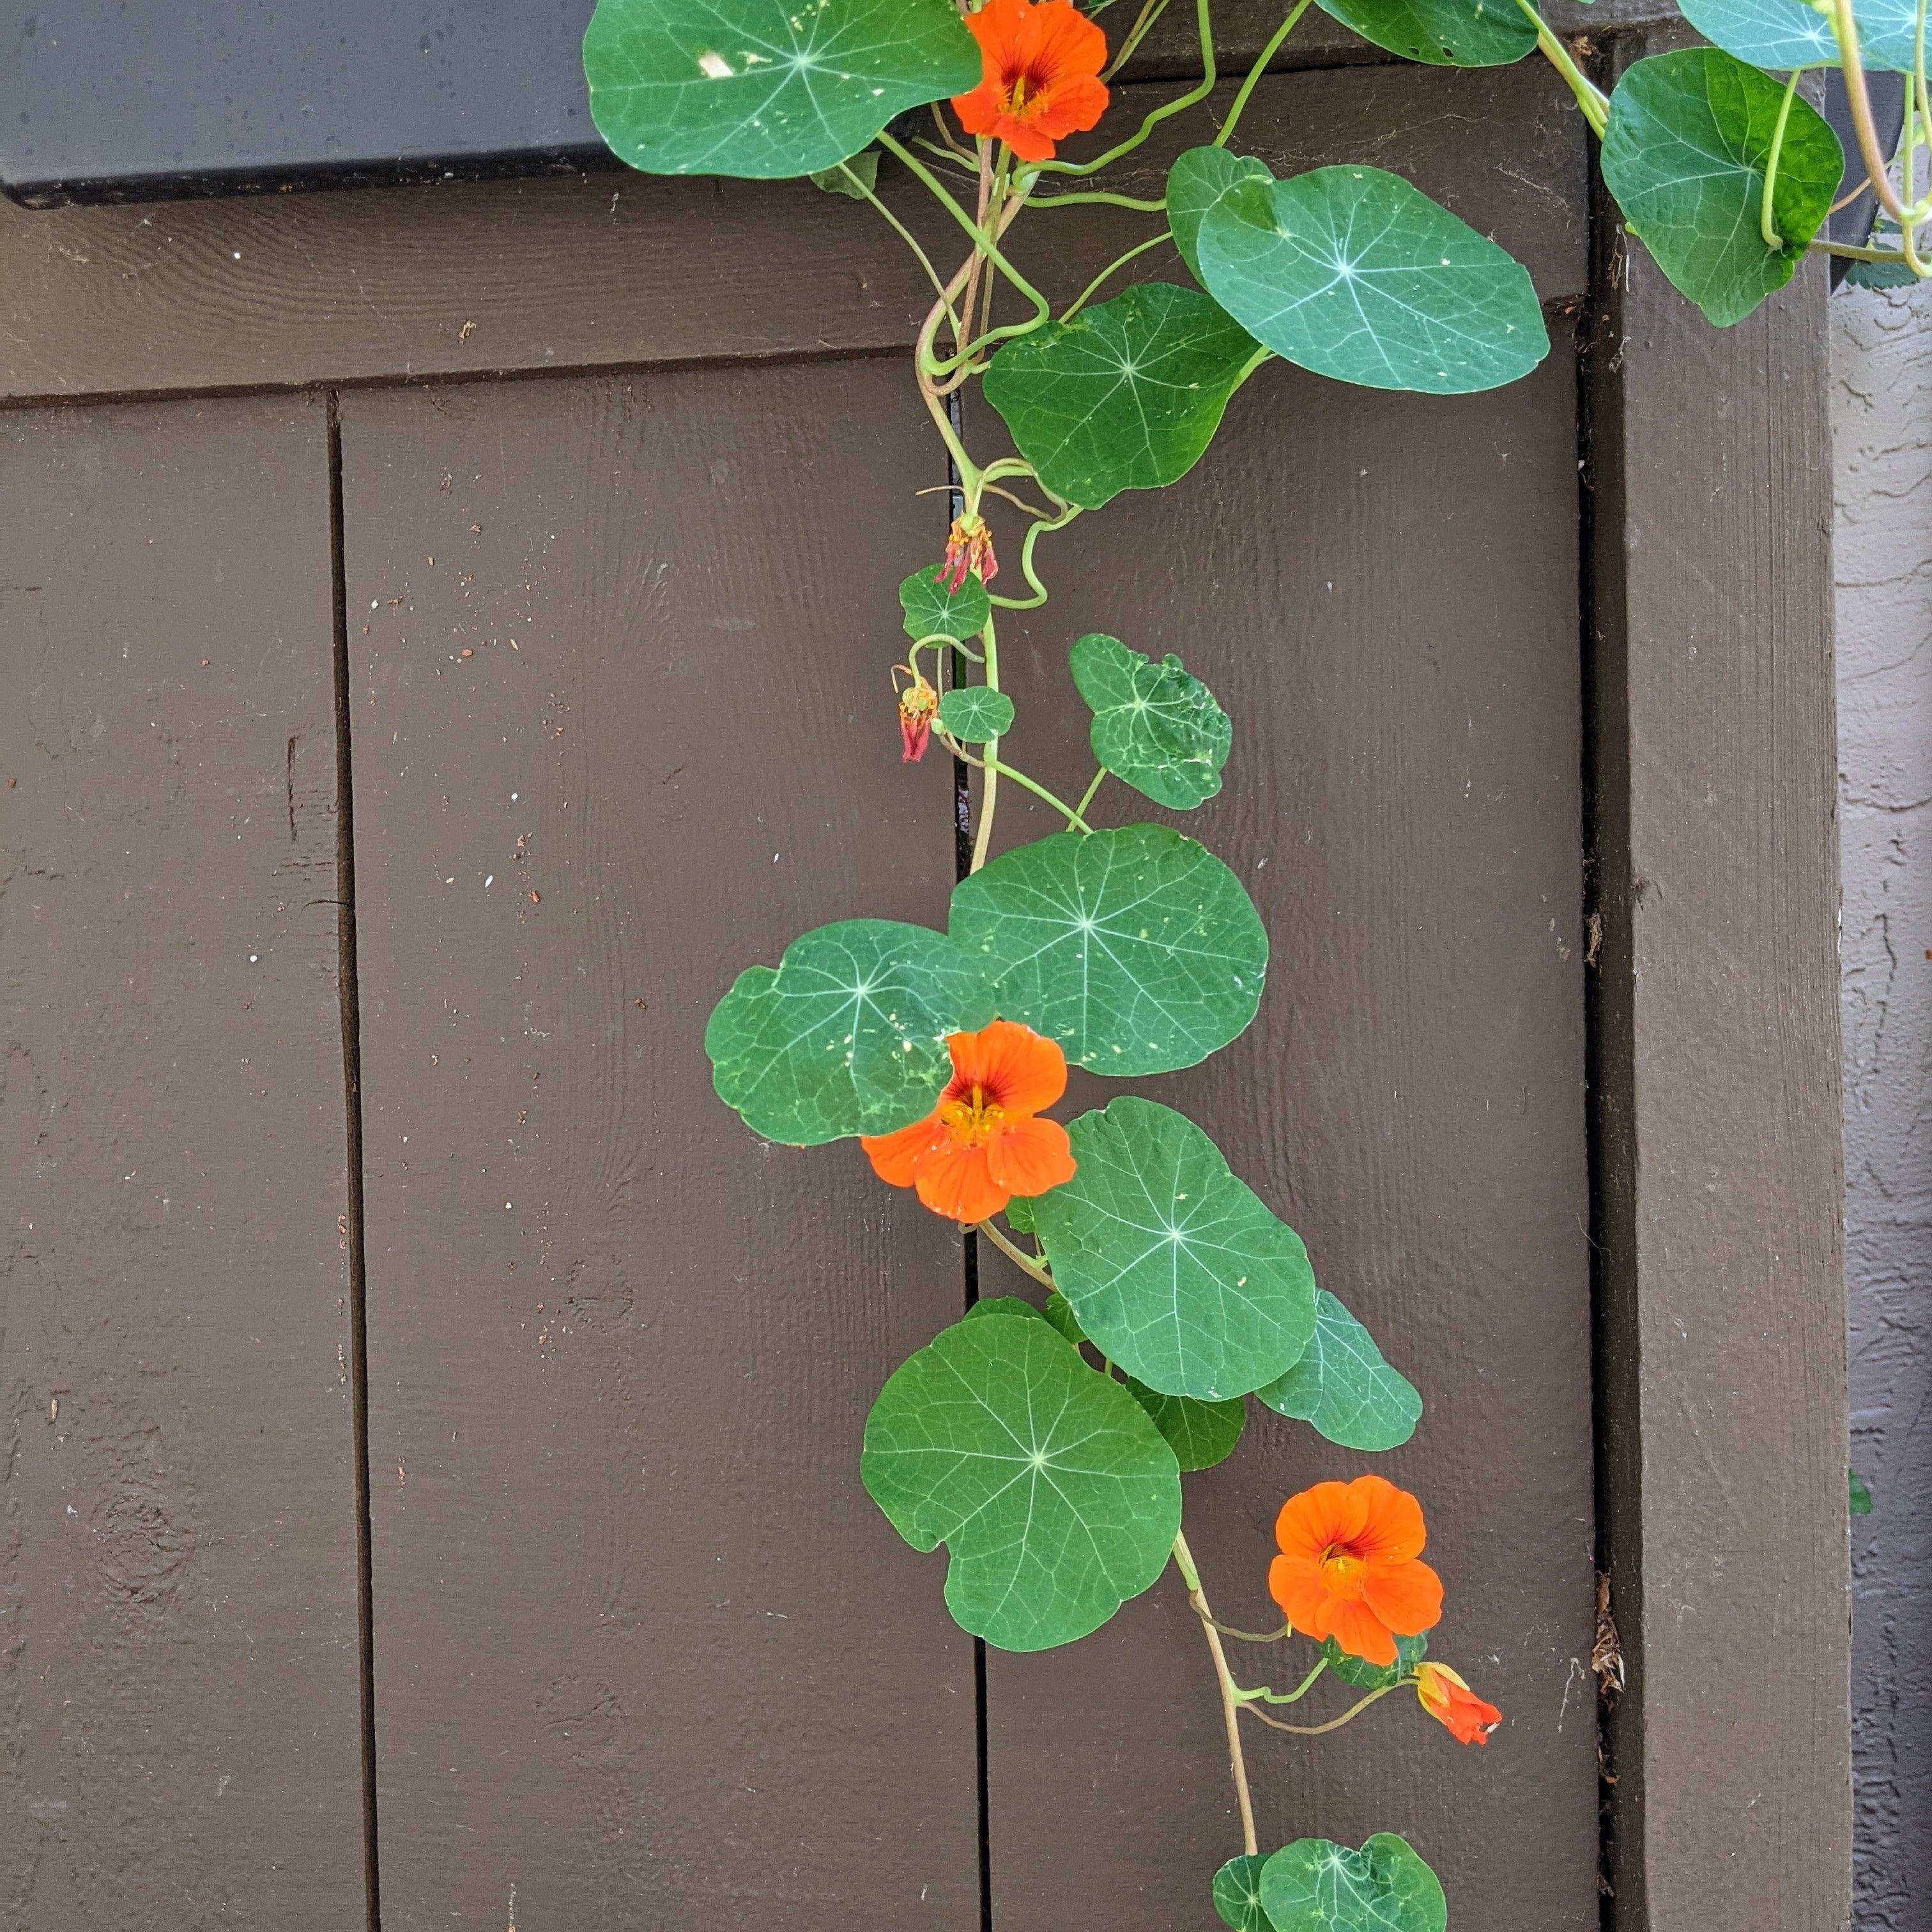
1451, 1701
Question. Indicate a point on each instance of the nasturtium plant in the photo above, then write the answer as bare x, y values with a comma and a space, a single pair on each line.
1687, 154
1341, 1388
1045, 1446
1155, 728
1136, 949
1125, 396
847, 1035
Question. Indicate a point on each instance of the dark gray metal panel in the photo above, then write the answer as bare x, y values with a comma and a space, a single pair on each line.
178, 1670
645, 1650
1383, 591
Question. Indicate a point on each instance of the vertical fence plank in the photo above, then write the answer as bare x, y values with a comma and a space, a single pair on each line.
1718, 1124
179, 1648
623, 725
1383, 591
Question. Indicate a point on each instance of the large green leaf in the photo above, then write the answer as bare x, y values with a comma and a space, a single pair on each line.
1154, 726
1125, 396
1684, 154
848, 1035
1176, 1270
760, 88
1444, 33
1787, 34
1343, 1388
1351, 272
1237, 1894
1317, 1885
1135, 948
1196, 181
973, 714
931, 611
1056, 1497
1409, 1652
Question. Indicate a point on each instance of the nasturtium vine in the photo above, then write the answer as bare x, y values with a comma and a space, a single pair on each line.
1045, 1446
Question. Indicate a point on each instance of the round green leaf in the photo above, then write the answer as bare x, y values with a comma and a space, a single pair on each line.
1786, 34
1125, 396
931, 611
1317, 1885
1136, 949
1176, 1270
1197, 180
1343, 1388
1238, 1894
1351, 272
1684, 153
1200, 1434
973, 714
1056, 1496
752, 88
1409, 1652
1444, 33
1154, 726
848, 1035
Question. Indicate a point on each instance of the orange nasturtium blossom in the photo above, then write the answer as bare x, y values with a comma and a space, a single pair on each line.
1348, 1567
1450, 1701
982, 1145
1042, 60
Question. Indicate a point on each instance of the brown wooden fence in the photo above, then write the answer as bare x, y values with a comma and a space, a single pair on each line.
435, 627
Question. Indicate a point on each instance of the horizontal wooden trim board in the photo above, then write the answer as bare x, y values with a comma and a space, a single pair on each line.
620, 271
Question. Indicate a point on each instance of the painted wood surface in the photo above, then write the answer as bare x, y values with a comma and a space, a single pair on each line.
623, 725
1383, 592
179, 1666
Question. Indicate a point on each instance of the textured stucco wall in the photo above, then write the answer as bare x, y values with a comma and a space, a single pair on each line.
1882, 419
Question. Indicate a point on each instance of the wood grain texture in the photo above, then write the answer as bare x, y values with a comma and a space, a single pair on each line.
181, 1743
1723, 1350
1383, 591
623, 726
627, 270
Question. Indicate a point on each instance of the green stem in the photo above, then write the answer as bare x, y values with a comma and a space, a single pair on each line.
1032, 535
1260, 67
1087, 796
906, 235
1231, 1710
1194, 94
1765, 226
1845, 31
998, 768
1087, 294
1149, 13
1594, 103
1020, 1259
1347, 1717
1093, 195
1294, 1697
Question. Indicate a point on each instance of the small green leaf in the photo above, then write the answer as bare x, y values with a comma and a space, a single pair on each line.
1238, 1894
973, 714
1896, 274
1684, 154
848, 1035
1197, 180
931, 611
1176, 1270
1124, 397
1154, 726
1019, 1214
1200, 1434
1351, 272
1409, 1652
1860, 1493
1444, 33
851, 179
1785, 34
1317, 1885
1135, 948
744, 87
1056, 1496
1343, 1388
1060, 1313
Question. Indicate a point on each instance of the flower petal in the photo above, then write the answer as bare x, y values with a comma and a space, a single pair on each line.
1029, 1157
895, 1156
1360, 1632
1022, 1071
1392, 1527
1407, 1596
952, 1181
1295, 1583
1319, 1518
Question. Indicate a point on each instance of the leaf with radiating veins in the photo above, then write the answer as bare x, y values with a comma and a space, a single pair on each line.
973, 714
1444, 33
1317, 1885
1343, 1388
1237, 1894
932, 610
1155, 728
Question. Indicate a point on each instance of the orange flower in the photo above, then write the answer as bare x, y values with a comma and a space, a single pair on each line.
1042, 60
981, 1145
1348, 1568
1450, 1701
